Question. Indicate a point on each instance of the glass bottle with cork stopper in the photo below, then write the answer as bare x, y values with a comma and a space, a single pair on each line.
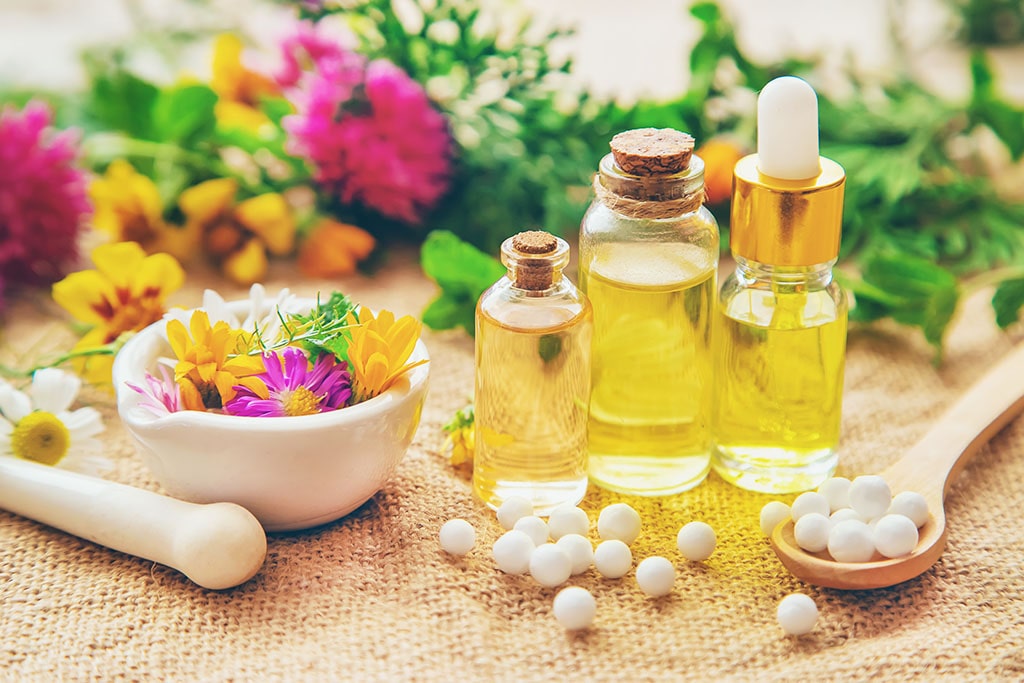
780, 331
533, 336
648, 261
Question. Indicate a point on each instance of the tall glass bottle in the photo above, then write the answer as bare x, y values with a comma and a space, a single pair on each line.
780, 332
648, 258
533, 336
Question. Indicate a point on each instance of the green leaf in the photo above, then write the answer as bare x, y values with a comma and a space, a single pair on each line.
183, 113
462, 272
122, 101
1008, 302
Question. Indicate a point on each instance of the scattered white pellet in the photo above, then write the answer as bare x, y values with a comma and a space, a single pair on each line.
568, 519
797, 614
910, 504
772, 514
579, 550
613, 559
811, 532
656, 576
696, 541
457, 536
534, 527
512, 509
870, 496
895, 535
843, 515
574, 608
809, 502
550, 566
618, 522
837, 491
851, 541
512, 552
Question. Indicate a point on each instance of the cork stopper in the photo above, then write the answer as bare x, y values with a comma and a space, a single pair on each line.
652, 151
534, 242
534, 258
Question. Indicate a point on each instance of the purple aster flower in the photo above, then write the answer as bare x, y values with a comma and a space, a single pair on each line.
293, 388
161, 395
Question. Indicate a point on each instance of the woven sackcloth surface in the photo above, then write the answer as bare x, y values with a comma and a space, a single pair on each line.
372, 597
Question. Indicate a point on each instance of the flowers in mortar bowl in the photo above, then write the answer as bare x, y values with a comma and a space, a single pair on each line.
284, 359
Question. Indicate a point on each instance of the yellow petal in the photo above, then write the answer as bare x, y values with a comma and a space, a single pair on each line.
118, 262
191, 399
227, 66
375, 374
177, 335
158, 276
225, 383
84, 295
239, 115
248, 264
207, 371
199, 324
202, 203
269, 216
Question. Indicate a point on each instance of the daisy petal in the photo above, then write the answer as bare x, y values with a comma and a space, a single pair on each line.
54, 390
14, 404
82, 423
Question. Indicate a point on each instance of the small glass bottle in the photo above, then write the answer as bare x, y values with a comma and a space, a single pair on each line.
648, 260
533, 335
780, 331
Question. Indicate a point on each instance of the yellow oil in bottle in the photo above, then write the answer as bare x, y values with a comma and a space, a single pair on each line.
778, 388
532, 384
649, 416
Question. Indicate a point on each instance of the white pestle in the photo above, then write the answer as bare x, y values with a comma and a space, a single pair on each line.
218, 546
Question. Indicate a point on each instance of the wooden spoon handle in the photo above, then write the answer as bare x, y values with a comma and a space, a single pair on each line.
931, 466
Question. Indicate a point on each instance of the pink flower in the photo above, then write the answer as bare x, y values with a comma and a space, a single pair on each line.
307, 50
372, 136
42, 197
161, 396
293, 388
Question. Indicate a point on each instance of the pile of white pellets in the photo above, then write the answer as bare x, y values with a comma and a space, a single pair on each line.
852, 519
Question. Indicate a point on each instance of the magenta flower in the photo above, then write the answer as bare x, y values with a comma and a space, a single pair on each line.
293, 388
42, 197
308, 50
372, 136
161, 396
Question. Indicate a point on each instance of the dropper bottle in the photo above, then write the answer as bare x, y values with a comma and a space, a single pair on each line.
780, 328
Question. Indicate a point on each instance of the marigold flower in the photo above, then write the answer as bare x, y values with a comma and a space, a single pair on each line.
719, 156
212, 362
291, 387
126, 292
238, 88
237, 236
127, 207
333, 249
42, 197
379, 349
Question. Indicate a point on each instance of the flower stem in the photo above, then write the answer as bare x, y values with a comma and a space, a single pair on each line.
993, 277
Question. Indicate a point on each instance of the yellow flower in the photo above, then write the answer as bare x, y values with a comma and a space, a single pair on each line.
239, 89
126, 292
211, 362
379, 349
238, 236
127, 207
333, 249
460, 446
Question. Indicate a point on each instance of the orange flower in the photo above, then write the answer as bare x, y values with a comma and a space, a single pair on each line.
720, 156
379, 349
333, 249
239, 89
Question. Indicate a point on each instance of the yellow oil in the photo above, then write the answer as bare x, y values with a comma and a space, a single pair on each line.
649, 406
532, 385
778, 389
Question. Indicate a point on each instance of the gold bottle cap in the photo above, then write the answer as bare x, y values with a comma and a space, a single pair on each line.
786, 222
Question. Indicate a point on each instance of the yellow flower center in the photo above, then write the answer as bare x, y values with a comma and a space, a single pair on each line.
133, 315
40, 436
302, 401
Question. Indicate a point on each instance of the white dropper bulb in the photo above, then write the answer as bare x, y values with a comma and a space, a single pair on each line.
787, 130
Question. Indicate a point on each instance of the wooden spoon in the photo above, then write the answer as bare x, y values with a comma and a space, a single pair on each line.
930, 467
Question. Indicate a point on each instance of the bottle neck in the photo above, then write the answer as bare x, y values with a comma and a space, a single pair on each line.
818, 276
517, 279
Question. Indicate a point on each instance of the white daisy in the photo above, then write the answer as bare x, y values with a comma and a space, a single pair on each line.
38, 424
263, 314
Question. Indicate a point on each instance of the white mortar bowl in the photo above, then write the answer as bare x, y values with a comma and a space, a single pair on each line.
290, 472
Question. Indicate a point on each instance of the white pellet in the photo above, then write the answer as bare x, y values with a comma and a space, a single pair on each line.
579, 550
843, 515
870, 496
696, 541
613, 559
895, 535
574, 608
797, 614
809, 502
851, 541
618, 522
811, 532
512, 552
512, 509
457, 536
656, 576
534, 527
772, 514
837, 491
910, 504
568, 519
550, 566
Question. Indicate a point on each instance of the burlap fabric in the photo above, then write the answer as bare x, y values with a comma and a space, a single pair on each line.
371, 597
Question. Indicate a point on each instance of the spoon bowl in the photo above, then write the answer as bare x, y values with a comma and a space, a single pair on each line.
930, 467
